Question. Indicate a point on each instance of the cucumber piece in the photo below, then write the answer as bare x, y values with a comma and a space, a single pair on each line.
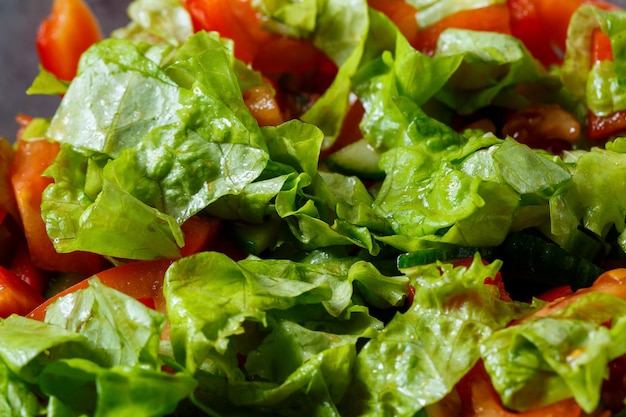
359, 159
442, 253
255, 238
534, 259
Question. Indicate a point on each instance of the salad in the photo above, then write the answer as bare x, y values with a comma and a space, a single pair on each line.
314, 208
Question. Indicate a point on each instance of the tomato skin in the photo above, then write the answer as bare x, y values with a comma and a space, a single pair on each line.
262, 104
493, 18
480, 399
24, 268
556, 293
496, 281
527, 25
200, 233
401, 13
32, 157
602, 127
64, 35
266, 52
601, 49
142, 280
233, 19
16, 296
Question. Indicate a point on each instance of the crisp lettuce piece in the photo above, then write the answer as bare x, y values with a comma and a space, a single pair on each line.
100, 314
295, 322
47, 84
599, 85
547, 359
97, 353
527, 171
85, 388
240, 292
471, 193
80, 207
295, 360
595, 201
421, 204
155, 21
493, 65
432, 11
16, 397
27, 346
422, 353
169, 158
118, 96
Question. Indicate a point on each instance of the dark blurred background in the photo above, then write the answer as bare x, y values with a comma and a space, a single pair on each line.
19, 20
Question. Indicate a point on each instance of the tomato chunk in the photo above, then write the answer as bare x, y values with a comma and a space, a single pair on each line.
31, 159
527, 25
64, 35
265, 51
24, 268
493, 18
480, 399
233, 19
401, 13
16, 296
142, 280
200, 232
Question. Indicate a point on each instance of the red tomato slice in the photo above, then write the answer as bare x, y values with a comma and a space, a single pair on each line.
556, 293
64, 35
16, 296
22, 266
31, 159
601, 49
556, 15
493, 18
480, 399
527, 26
142, 280
602, 127
233, 19
401, 13
200, 232
240, 21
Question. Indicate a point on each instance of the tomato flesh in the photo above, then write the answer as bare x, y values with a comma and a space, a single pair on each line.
493, 18
16, 296
32, 157
142, 280
64, 35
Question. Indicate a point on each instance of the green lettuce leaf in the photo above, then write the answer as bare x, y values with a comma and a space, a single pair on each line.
422, 353
595, 201
83, 387
155, 21
547, 359
244, 291
27, 346
168, 158
599, 85
16, 397
493, 66
432, 11
100, 314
